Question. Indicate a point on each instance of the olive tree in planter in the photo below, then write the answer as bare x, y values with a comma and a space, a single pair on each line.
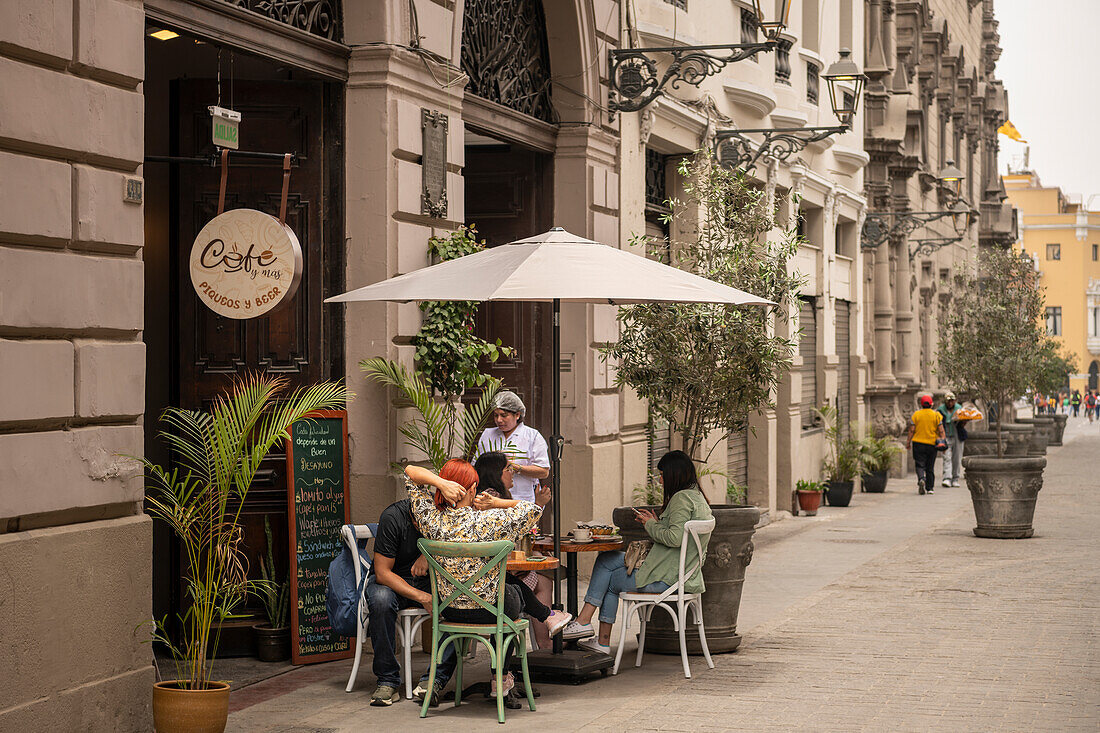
216, 455
705, 368
991, 345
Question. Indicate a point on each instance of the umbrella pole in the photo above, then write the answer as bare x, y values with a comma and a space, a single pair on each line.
556, 443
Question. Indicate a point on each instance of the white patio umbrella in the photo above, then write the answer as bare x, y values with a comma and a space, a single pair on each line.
554, 267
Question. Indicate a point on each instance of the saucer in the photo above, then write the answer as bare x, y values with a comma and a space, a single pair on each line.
578, 542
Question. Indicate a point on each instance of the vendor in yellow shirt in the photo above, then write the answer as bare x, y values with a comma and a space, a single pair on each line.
925, 427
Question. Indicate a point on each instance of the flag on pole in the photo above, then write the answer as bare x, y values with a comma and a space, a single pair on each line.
1008, 129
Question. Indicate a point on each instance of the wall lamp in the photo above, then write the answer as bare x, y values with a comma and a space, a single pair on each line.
733, 149
636, 81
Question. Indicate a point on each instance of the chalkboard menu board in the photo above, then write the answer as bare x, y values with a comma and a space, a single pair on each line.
317, 484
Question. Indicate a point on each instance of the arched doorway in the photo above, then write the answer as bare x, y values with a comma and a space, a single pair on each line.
508, 174
1094, 375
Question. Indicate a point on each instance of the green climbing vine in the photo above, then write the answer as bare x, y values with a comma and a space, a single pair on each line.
448, 351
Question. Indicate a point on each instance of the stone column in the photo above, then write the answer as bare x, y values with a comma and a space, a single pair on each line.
903, 294
883, 372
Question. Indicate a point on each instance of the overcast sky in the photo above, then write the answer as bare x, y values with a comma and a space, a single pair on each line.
1051, 68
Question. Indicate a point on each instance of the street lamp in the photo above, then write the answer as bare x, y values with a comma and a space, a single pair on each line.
772, 28
733, 149
635, 80
952, 177
841, 73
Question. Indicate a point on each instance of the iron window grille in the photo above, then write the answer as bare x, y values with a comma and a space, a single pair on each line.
1054, 251
681, 4
813, 83
783, 62
322, 18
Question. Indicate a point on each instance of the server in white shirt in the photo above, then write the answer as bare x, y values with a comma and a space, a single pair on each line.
512, 436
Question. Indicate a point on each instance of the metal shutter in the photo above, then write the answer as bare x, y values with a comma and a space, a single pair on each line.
807, 349
659, 440
737, 457
844, 370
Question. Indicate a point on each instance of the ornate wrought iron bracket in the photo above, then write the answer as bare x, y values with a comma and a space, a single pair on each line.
930, 245
636, 80
732, 149
878, 228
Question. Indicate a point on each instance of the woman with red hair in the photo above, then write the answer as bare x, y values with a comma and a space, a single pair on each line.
454, 519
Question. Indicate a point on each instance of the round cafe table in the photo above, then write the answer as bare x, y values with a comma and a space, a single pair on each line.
596, 545
521, 566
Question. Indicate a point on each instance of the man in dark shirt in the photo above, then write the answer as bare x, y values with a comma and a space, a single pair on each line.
398, 580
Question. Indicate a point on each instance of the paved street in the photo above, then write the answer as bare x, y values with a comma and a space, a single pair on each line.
888, 615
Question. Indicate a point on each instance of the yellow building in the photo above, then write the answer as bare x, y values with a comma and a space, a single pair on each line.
1063, 237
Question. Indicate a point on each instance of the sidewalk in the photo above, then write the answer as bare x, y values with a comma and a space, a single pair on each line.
888, 615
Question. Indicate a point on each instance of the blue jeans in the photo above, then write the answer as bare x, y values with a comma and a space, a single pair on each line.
384, 603
609, 579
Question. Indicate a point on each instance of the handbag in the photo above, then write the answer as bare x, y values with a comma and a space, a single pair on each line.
941, 444
636, 553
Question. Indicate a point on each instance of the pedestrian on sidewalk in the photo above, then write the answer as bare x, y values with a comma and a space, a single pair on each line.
1090, 405
1051, 405
925, 428
1075, 402
952, 459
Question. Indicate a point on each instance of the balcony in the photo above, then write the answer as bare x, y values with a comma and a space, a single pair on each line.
997, 224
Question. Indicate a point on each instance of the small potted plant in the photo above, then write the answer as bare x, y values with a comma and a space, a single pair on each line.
272, 638
876, 456
809, 496
842, 464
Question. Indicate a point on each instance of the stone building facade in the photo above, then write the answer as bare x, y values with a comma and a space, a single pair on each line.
105, 155
932, 99
819, 190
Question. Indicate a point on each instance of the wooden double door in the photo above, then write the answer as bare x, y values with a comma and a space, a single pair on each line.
509, 197
303, 339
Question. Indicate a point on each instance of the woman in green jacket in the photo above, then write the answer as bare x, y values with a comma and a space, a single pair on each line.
659, 571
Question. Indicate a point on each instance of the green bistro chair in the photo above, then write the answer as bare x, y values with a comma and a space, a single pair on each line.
504, 632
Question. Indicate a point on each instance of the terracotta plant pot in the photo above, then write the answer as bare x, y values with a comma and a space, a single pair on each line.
809, 502
1004, 491
177, 710
728, 554
874, 482
272, 645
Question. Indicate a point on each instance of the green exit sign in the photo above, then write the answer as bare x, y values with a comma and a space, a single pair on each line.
225, 124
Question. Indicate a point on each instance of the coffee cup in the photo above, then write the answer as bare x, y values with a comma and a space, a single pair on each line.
582, 534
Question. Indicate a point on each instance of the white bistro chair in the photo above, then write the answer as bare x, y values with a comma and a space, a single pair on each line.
408, 620
675, 601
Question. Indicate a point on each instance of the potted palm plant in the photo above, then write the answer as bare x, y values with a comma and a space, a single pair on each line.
842, 463
991, 345
272, 638
216, 454
876, 456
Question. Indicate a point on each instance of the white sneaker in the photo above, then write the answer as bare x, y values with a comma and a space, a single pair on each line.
955, 484
558, 620
593, 645
577, 631
946, 484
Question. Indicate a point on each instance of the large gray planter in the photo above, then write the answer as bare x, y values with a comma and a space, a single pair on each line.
1004, 491
1059, 428
1018, 439
1043, 435
728, 554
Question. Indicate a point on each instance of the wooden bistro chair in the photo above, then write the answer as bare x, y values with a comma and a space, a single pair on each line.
676, 601
504, 632
409, 620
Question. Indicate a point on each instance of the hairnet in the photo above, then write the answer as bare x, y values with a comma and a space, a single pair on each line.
509, 401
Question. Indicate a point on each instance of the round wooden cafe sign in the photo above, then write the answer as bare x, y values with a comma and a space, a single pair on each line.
244, 264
